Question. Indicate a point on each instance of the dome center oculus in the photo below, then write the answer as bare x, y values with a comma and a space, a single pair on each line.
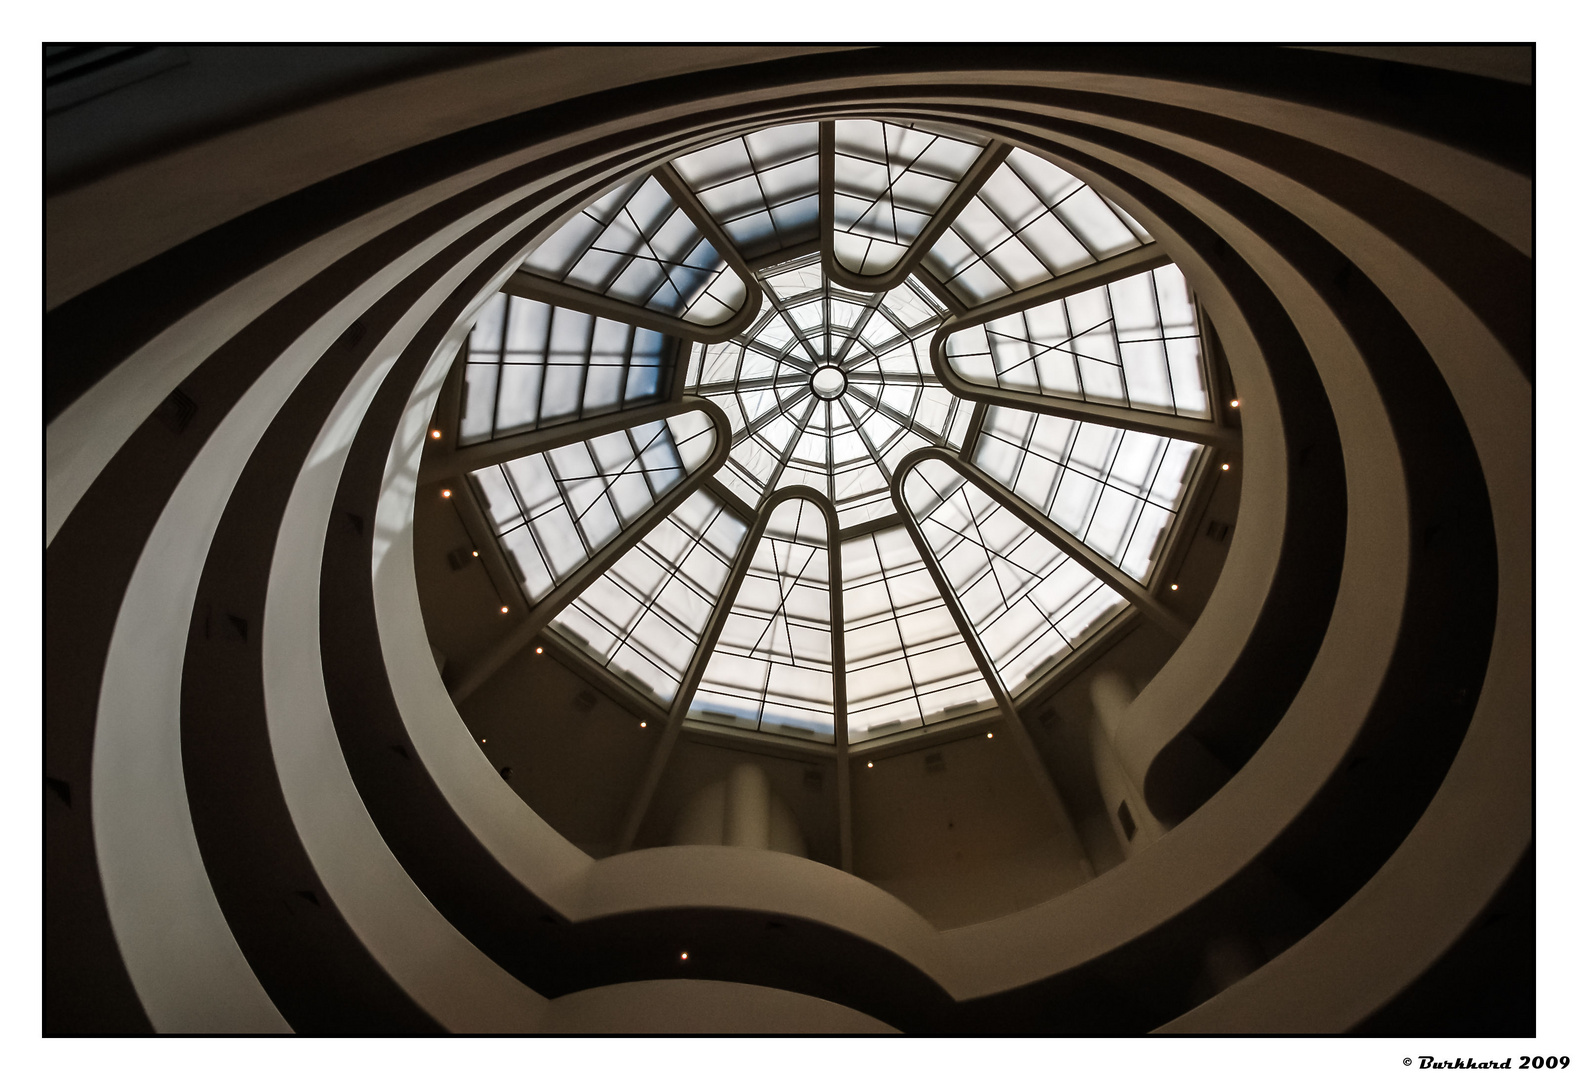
828, 383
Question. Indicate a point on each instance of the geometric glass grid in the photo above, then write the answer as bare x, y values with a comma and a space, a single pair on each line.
772, 669
1030, 221
830, 388
1133, 343
643, 619
635, 244
532, 364
1116, 490
1028, 601
888, 181
844, 444
906, 663
552, 511
761, 188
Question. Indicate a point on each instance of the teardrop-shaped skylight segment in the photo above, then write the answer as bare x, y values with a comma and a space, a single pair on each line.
643, 619
552, 511
906, 663
1029, 603
636, 245
532, 364
1116, 490
1134, 343
772, 669
762, 189
888, 180
1030, 221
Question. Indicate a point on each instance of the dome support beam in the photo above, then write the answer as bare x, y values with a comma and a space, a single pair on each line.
1065, 541
787, 356
725, 494
538, 287
1015, 724
1124, 265
709, 641
1167, 425
993, 155
769, 416
534, 287
460, 461
939, 290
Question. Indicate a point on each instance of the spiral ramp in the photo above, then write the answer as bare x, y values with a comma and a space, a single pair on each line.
264, 812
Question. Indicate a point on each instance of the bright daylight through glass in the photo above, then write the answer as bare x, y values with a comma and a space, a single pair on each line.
876, 537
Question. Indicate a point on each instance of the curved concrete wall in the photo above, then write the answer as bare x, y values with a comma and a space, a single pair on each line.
277, 819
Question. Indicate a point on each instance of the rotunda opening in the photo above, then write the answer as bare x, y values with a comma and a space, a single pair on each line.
887, 494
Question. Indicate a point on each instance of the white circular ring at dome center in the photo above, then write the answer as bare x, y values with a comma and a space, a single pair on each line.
828, 383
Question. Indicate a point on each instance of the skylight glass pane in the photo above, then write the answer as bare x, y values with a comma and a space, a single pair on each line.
636, 245
552, 511
905, 660
531, 365
907, 664
772, 669
888, 180
1030, 604
1133, 343
761, 189
643, 619
845, 448
1030, 222
1118, 491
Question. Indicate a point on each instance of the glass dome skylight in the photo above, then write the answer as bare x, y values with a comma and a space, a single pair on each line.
874, 552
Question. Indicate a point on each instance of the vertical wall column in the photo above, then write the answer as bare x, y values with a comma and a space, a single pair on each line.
1005, 702
835, 581
1111, 693
747, 815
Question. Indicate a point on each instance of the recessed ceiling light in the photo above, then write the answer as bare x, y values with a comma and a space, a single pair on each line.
643, 723
870, 765
1233, 404
437, 433
684, 956
1224, 466
1175, 588
539, 649
475, 554
505, 610
988, 734
445, 493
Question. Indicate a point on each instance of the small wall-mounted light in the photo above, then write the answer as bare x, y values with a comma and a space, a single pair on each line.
539, 650
684, 956
484, 740
988, 734
871, 765
476, 554
1224, 466
1175, 588
505, 610
439, 434
444, 494
1233, 404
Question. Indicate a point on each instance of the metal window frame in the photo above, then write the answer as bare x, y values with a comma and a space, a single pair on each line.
467, 681
993, 153
681, 397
